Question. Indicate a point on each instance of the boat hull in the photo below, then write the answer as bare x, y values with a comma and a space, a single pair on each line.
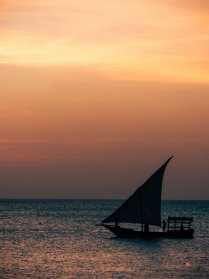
130, 233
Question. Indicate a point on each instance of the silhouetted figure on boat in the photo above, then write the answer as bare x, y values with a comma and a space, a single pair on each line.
146, 227
164, 225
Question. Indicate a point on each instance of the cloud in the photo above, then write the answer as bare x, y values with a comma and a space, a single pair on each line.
23, 142
23, 151
146, 38
197, 5
9, 112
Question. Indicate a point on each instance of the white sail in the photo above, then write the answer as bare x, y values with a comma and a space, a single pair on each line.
144, 206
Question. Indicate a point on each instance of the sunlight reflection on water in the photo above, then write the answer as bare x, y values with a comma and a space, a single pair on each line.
59, 239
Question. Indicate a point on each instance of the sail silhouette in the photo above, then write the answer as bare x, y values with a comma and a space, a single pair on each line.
144, 205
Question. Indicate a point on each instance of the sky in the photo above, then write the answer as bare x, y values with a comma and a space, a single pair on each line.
96, 95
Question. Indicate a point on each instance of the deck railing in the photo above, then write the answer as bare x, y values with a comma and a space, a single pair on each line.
179, 223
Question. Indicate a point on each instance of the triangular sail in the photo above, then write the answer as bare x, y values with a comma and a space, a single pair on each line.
144, 206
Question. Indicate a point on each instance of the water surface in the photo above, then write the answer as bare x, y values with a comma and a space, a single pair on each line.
59, 239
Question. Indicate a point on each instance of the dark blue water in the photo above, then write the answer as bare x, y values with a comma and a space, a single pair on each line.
59, 239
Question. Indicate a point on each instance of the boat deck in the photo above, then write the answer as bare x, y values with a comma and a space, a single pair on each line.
130, 233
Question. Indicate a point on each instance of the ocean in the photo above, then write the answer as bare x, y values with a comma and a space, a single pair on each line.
59, 239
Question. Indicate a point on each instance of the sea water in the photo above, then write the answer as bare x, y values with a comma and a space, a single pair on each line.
59, 239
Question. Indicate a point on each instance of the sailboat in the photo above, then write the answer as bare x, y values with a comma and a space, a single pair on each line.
144, 207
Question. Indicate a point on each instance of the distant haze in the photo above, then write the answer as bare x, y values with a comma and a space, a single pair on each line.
95, 96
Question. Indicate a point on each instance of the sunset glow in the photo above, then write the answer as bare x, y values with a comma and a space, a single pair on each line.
136, 40
101, 87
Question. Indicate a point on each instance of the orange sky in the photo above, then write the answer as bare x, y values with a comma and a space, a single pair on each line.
97, 94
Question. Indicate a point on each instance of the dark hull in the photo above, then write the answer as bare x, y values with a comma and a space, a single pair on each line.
130, 233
